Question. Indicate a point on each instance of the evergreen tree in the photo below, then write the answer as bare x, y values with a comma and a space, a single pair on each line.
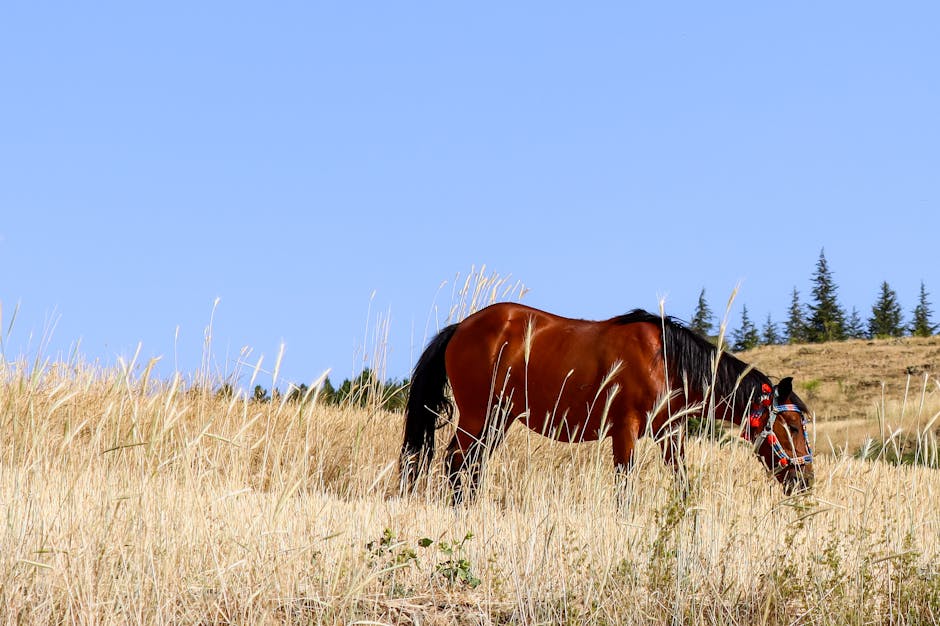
769, 334
226, 391
827, 319
795, 326
885, 320
343, 392
359, 391
395, 394
702, 319
297, 393
855, 328
261, 394
745, 337
920, 324
327, 394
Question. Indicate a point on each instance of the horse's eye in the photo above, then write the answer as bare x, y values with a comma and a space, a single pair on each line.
793, 429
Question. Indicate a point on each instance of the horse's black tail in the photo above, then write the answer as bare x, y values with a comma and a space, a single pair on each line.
426, 402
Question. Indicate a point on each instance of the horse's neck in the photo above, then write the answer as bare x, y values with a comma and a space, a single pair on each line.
731, 407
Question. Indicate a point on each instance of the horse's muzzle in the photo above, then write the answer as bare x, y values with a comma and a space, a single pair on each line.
797, 481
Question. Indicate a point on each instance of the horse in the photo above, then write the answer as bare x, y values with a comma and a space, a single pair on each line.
577, 380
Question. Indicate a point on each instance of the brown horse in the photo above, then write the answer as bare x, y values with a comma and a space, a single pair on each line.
577, 380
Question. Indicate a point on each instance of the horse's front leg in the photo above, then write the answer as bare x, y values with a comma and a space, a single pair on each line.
624, 442
623, 437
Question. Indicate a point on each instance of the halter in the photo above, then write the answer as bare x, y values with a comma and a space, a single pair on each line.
754, 422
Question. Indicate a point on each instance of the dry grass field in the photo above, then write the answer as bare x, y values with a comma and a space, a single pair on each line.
130, 500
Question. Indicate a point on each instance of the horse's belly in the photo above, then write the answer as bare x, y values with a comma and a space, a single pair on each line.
567, 423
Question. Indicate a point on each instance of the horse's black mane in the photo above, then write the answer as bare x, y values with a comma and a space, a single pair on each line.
692, 357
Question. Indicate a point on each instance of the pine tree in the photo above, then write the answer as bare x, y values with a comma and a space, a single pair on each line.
795, 326
745, 337
920, 324
327, 393
360, 391
855, 328
827, 319
885, 320
261, 394
226, 392
297, 393
702, 319
769, 334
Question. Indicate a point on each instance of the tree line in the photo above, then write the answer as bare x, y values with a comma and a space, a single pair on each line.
823, 318
366, 389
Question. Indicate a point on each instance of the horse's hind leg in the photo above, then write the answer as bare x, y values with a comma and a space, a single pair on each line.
468, 452
463, 469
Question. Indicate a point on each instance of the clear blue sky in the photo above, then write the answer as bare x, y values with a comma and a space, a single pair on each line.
293, 158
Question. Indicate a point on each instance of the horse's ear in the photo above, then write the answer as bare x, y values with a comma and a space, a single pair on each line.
784, 388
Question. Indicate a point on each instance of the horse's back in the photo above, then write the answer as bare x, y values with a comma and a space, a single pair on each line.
492, 342
507, 332
547, 367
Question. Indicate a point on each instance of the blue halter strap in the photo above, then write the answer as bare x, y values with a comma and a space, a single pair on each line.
783, 459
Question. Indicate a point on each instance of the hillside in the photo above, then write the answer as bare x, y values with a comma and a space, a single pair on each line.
853, 385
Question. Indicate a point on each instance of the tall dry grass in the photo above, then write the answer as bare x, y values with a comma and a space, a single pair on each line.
131, 500
127, 499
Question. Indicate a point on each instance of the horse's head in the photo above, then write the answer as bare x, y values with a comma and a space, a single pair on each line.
777, 427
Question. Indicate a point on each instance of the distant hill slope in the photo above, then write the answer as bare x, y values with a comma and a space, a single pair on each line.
846, 383
844, 380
